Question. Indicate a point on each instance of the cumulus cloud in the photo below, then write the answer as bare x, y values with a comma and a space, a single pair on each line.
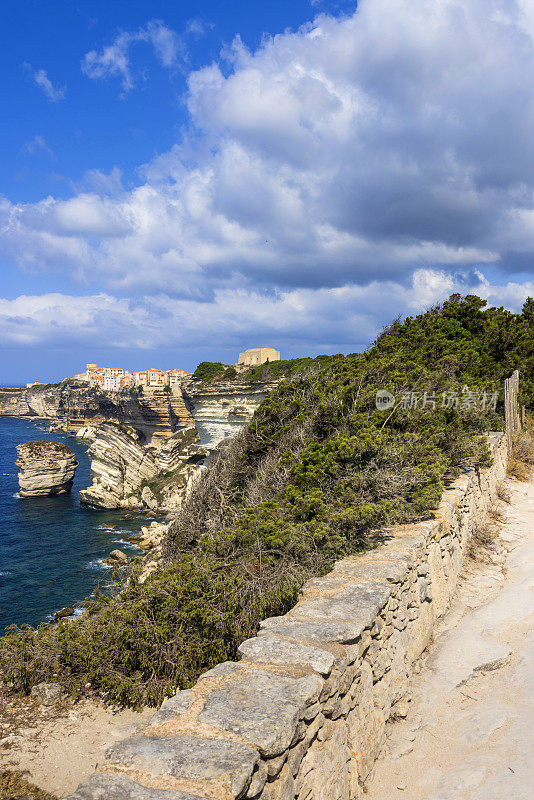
54, 93
356, 151
344, 318
114, 60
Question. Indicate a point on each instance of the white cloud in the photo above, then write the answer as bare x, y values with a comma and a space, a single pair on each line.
86, 215
53, 93
343, 318
114, 59
369, 147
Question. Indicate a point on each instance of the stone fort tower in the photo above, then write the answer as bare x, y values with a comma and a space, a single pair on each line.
258, 355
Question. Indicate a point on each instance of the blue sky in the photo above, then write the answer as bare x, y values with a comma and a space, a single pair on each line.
181, 181
91, 126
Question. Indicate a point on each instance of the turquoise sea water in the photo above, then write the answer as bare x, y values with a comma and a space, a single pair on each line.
51, 548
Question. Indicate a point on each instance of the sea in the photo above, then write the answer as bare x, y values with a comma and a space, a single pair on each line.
52, 549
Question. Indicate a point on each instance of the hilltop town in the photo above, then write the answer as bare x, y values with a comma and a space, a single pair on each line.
115, 379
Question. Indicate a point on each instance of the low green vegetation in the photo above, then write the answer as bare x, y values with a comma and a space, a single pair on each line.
14, 786
317, 470
285, 368
208, 370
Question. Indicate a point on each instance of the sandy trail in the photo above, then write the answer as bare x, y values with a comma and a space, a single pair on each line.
60, 746
469, 731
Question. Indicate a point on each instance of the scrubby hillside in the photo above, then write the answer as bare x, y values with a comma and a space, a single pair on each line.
317, 469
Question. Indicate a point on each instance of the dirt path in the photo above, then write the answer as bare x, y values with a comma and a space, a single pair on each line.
469, 730
60, 746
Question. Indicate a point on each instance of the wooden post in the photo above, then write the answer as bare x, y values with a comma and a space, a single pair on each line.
512, 414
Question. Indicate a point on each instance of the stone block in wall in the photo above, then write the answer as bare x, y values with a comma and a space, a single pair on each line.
262, 707
363, 569
365, 726
180, 703
326, 765
307, 631
284, 786
358, 604
275, 650
184, 762
115, 787
258, 780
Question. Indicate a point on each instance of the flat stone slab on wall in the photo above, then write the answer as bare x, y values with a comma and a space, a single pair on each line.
302, 716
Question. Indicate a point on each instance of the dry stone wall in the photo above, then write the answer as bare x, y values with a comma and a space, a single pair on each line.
302, 715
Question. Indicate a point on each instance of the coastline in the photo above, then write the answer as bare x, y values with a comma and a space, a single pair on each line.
145, 452
54, 551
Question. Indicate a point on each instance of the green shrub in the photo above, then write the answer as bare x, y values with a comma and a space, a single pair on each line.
208, 370
316, 471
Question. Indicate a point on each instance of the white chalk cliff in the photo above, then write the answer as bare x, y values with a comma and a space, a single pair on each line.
45, 468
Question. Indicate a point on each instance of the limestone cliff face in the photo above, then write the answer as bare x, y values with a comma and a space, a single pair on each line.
154, 415
45, 468
126, 473
146, 450
221, 408
10, 403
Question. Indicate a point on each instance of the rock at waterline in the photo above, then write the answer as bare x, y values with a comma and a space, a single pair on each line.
149, 499
68, 611
45, 468
118, 555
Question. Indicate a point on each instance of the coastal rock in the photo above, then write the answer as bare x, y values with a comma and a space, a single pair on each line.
148, 498
87, 432
152, 535
45, 468
155, 414
118, 555
155, 440
119, 465
122, 465
68, 611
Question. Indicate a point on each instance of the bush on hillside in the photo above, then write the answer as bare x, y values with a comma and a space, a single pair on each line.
208, 370
318, 468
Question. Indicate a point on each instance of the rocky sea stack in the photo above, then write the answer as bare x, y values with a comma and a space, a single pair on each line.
45, 468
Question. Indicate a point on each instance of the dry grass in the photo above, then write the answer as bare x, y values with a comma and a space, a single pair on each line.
14, 786
519, 470
482, 541
503, 493
521, 461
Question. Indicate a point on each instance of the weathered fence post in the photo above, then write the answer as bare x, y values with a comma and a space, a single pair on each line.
512, 413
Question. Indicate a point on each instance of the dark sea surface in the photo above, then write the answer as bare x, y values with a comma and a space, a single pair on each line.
51, 548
